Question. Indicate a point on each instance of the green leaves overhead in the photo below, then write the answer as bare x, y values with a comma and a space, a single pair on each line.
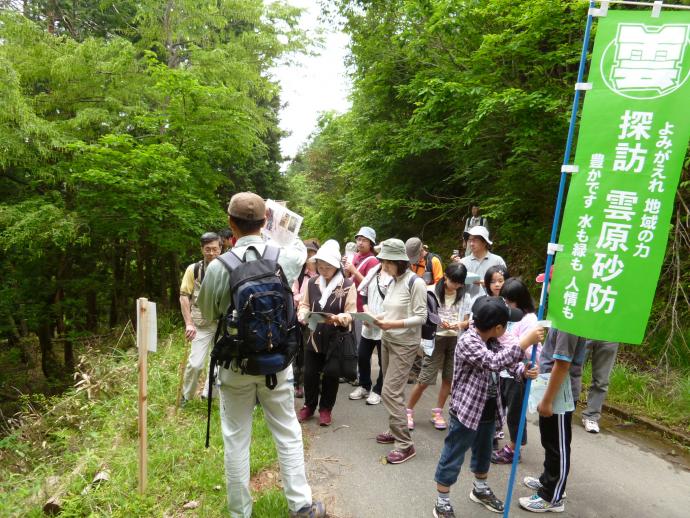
124, 128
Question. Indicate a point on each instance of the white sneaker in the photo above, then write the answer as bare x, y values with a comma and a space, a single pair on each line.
359, 393
373, 399
536, 504
590, 425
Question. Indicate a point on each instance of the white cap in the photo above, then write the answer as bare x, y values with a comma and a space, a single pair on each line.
479, 231
329, 253
367, 232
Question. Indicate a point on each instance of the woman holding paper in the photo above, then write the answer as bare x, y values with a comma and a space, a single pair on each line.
330, 293
404, 313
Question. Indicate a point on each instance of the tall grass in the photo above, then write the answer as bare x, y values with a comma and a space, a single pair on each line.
95, 427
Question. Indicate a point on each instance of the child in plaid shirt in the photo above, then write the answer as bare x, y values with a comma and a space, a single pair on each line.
475, 399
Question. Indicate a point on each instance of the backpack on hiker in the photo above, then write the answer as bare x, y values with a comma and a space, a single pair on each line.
258, 334
432, 319
429, 268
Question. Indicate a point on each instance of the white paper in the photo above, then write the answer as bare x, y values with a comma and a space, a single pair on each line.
152, 330
364, 317
562, 403
282, 225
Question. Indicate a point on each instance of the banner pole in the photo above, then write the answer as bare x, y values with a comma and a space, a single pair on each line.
550, 254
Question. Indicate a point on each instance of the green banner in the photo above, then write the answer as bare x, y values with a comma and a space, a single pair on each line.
632, 141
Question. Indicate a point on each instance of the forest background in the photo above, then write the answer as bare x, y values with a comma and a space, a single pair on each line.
126, 126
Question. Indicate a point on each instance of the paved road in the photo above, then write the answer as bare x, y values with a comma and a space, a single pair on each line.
612, 475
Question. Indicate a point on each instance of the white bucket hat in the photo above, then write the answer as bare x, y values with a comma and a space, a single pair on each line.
329, 253
367, 232
479, 231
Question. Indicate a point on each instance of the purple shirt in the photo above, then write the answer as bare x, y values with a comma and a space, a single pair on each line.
474, 362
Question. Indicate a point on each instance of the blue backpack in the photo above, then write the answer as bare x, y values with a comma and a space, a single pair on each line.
258, 335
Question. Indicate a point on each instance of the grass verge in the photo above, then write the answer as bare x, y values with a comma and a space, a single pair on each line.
68, 439
661, 395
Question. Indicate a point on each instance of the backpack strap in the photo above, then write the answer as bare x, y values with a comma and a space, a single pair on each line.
410, 283
199, 266
230, 260
271, 253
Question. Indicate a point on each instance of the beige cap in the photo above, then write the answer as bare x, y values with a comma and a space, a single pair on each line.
248, 206
413, 247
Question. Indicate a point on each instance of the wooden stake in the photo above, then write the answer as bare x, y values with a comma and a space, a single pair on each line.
142, 344
183, 364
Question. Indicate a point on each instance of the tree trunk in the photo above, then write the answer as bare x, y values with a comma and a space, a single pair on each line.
118, 282
174, 280
92, 311
49, 364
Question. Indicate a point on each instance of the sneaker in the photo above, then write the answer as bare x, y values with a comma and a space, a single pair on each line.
537, 504
437, 419
385, 438
400, 456
342, 380
183, 402
590, 425
533, 483
359, 393
315, 510
487, 499
410, 419
299, 392
305, 413
325, 417
373, 399
503, 456
443, 511
355, 382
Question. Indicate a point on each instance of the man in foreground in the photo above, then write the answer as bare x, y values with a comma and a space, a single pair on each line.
239, 392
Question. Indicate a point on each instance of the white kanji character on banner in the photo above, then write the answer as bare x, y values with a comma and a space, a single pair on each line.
642, 251
570, 298
579, 250
607, 268
649, 58
600, 298
652, 206
636, 125
636, 160
614, 236
585, 221
649, 221
597, 161
568, 312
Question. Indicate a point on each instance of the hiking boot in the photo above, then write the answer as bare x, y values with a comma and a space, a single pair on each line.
487, 499
325, 417
359, 393
590, 425
315, 510
373, 399
399, 456
536, 504
410, 419
503, 456
385, 438
304, 413
437, 419
443, 511
299, 392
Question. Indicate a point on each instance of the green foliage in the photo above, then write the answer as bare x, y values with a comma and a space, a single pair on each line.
96, 426
124, 129
457, 103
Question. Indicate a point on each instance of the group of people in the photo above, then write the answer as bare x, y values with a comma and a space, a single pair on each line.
486, 329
